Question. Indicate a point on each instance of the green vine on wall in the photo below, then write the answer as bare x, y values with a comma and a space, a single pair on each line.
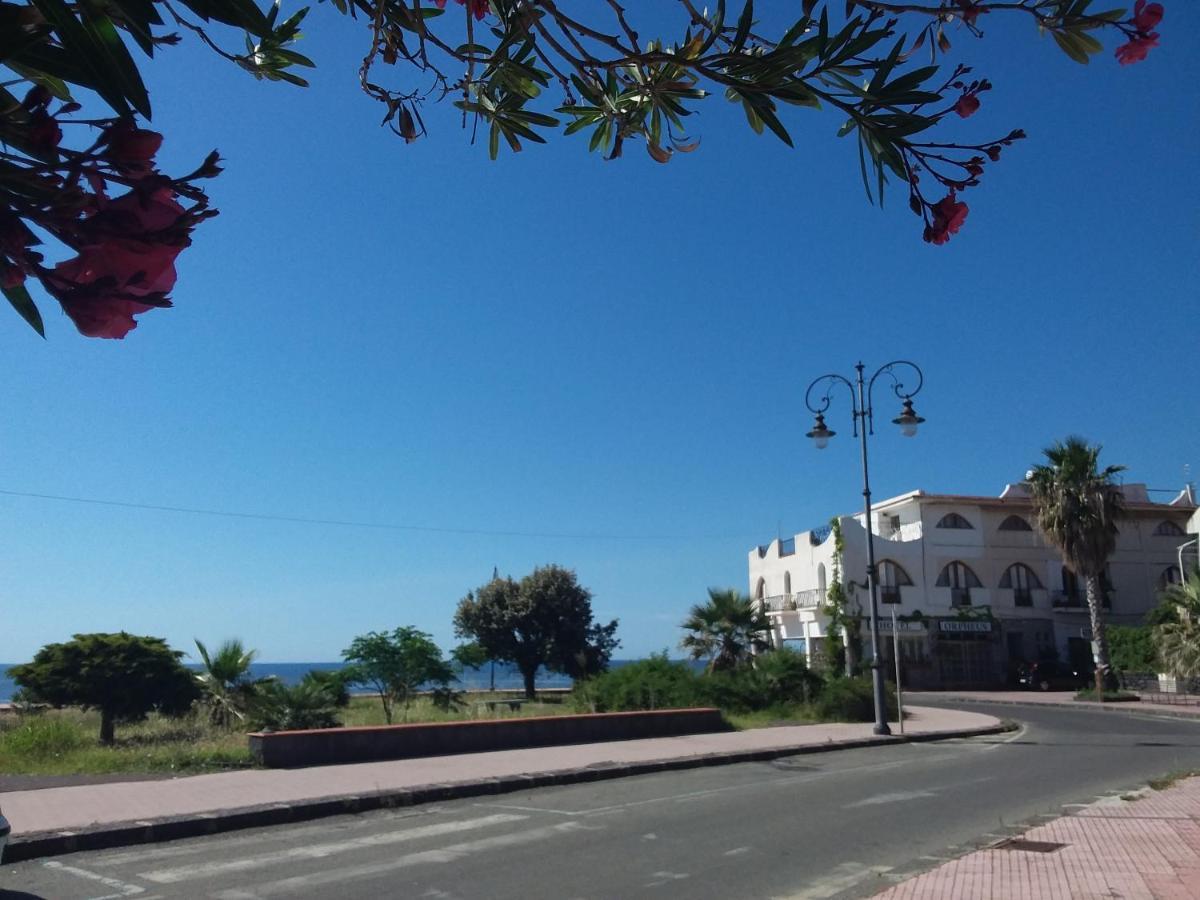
841, 621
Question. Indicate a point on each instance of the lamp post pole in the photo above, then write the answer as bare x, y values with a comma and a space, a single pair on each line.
861, 391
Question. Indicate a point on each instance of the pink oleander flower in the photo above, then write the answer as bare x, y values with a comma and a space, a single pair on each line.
949, 213
1146, 16
129, 146
1137, 49
967, 105
478, 8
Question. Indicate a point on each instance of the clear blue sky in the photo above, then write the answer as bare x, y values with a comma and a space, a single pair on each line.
556, 345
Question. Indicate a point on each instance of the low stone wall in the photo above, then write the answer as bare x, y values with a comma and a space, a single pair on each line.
278, 749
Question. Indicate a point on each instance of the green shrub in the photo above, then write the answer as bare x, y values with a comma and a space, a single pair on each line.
1131, 649
851, 700
43, 737
654, 683
786, 678
309, 704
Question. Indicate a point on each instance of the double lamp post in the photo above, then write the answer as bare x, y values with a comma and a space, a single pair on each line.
864, 425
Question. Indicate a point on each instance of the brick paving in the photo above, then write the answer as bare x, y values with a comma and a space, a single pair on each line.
1141, 849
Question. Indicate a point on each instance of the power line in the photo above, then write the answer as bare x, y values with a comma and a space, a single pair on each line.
383, 526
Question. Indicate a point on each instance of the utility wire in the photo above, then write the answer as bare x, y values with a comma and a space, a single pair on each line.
384, 526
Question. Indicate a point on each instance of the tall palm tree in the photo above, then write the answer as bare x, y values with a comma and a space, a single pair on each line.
1178, 639
225, 679
726, 630
1077, 506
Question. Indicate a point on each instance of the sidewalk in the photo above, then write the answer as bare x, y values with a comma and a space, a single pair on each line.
1059, 698
65, 819
1142, 849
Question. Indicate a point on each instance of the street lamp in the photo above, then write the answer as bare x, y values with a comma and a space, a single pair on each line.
864, 424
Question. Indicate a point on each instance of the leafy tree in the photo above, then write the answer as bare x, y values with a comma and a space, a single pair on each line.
1178, 638
1077, 506
227, 686
335, 682
517, 68
397, 664
545, 619
124, 676
726, 630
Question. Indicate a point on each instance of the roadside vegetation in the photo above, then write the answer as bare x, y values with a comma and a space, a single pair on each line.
140, 710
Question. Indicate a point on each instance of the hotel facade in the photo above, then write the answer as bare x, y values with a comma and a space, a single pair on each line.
972, 585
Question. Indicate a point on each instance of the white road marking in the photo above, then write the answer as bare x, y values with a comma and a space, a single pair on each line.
993, 745
711, 792
123, 888
442, 855
661, 878
320, 851
736, 851
893, 797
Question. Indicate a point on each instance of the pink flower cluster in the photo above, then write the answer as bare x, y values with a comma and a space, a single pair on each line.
125, 247
1146, 17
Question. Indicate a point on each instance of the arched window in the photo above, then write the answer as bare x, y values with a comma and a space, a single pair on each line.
787, 583
1015, 523
760, 591
1167, 528
960, 579
1023, 581
1169, 576
891, 577
954, 520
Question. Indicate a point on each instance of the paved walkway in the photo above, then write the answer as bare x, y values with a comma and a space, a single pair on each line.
92, 807
1141, 849
1059, 698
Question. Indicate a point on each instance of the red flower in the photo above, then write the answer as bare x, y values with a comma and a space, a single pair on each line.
948, 216
101, 315
967, 105
1136, 49
137, 213
1146, 16
44, 133
478, 8
134, 147
970, 11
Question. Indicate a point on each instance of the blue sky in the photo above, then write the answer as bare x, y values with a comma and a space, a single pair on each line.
612, 356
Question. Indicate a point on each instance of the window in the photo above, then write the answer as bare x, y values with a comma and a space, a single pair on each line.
1168, 529
1170, 575
891, 577
1023, 581
954, 520
1015, 523
787, 583
960, 579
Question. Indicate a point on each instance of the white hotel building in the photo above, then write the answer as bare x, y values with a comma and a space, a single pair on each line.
974, 586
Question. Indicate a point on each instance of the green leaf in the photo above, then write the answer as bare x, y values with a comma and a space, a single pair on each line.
21, 301
1067, 43
239, 13
743, 27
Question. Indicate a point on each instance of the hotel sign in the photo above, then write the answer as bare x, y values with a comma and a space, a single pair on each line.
960, 626
885, 624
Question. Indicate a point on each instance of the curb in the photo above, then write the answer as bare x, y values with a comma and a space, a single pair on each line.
169, 828
1126, 707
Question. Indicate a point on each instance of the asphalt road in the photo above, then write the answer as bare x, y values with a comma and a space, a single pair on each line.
841, 824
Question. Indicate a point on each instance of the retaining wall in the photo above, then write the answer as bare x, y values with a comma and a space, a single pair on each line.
326, 746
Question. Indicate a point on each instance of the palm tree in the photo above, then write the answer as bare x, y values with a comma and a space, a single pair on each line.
225, 679
1178, 639
1077, 507
725, 630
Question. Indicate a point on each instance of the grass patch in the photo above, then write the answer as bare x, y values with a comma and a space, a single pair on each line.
1088, 695
798, 714
1165, 781
66, 741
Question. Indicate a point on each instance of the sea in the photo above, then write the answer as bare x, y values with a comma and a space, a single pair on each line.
501, 677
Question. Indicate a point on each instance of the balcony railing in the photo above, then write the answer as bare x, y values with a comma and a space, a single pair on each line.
889, 594
791, 602
1075, 600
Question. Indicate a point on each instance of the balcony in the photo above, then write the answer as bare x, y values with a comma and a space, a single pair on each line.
1022, 597
793, 602
960, 596
1075, 601
889, 594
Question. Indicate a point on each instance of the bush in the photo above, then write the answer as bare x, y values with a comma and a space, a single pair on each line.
786, 678
851, 700
1131, 649
309, 704
654, 683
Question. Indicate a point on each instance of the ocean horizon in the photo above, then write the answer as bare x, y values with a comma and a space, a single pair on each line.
505, 677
